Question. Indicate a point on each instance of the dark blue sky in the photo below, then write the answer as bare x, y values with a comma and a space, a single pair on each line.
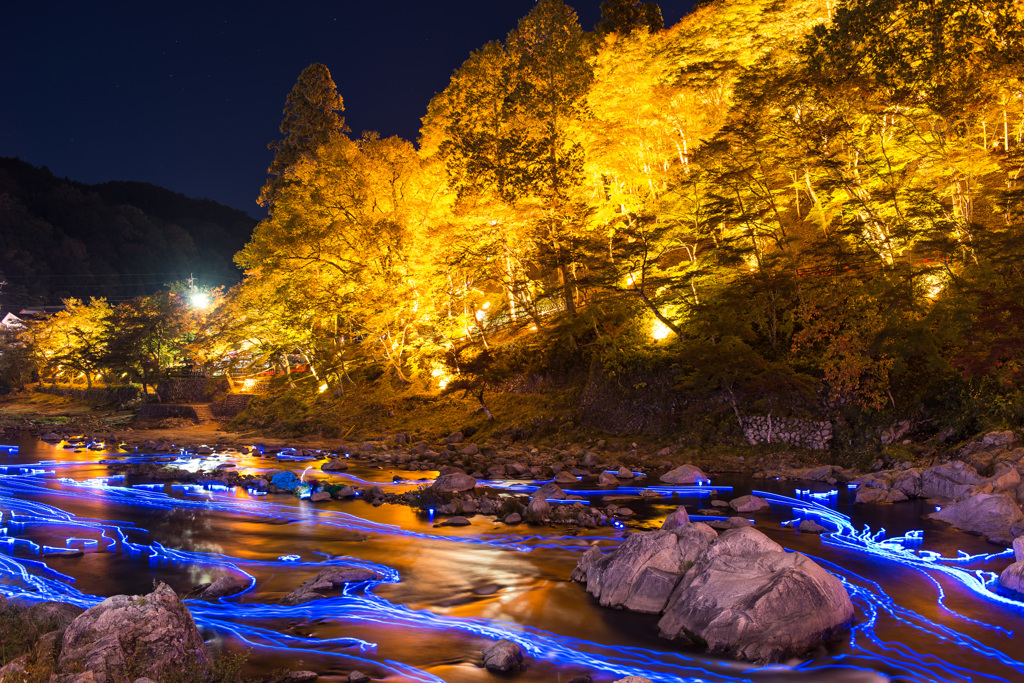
188, 94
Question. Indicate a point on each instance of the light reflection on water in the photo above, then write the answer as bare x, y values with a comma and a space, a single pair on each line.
485, 584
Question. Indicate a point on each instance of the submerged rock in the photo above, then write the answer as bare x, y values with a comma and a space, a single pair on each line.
809, 526
223, 587
329, 579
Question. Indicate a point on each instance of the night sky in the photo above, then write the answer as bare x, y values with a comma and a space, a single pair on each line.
187, 95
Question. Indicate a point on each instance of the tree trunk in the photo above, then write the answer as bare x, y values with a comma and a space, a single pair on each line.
288, 370
480, 398
570, 302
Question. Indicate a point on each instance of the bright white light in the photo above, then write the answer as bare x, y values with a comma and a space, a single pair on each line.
323, 388
480, 315
442, 377
659, 330
199, 300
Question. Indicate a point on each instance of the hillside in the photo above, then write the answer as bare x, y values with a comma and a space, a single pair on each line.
60, 238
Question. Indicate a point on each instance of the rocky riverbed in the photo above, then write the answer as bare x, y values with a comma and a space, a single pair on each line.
687, 573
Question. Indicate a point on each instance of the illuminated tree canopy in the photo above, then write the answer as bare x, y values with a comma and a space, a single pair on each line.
826, 198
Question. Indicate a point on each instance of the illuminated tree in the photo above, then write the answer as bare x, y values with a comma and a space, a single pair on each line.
312, 117
146, 336
344, 245
71, 342
549, 55
627, 15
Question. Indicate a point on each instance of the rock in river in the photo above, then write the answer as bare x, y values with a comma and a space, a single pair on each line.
748, 598
1013, 577
223, 587
738, 593
335, 465
503, 655
685, 475
988, 514
676, 519
748, 504
454, 482
642, 573
329, 579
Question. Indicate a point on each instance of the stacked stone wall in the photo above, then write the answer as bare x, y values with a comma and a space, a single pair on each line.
231, 406
122, 395
810, 434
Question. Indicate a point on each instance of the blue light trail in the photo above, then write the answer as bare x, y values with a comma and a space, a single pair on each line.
254, 622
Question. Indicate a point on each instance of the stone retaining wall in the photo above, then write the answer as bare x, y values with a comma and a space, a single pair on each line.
160, 411
191, 389
123, 395
803, 433
231, 406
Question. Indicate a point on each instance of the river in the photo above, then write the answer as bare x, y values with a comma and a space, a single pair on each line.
923, 612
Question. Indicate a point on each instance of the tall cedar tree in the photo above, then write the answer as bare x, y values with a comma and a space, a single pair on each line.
312, 118
624, 16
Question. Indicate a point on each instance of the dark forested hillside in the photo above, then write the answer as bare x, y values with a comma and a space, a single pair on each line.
60, 238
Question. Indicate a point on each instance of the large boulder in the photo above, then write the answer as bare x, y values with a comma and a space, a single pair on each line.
454, 482
987, 514
150, 635
1001, 439
335, 465
1012, 577
748, 598
739, 593
953, 480
641, 574
685, 475
50, 616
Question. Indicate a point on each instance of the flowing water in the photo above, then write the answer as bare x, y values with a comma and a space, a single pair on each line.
926, 608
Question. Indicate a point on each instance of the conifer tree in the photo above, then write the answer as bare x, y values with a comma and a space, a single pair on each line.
627, 15
312, 118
